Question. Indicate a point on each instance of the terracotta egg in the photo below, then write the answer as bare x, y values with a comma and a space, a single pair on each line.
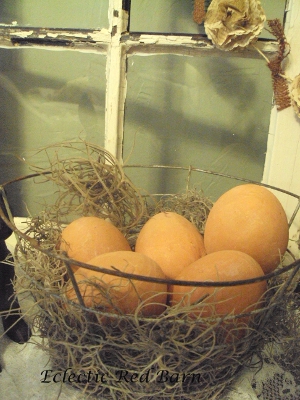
118, 294
86, 237
251, 219
170, 240
225, 265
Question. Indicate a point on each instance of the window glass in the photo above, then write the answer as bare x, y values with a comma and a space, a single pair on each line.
175, 16
197, 111
89, 14
47, 97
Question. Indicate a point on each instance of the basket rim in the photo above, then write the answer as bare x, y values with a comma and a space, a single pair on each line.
294, 265
189, 168
62, 256
34, 243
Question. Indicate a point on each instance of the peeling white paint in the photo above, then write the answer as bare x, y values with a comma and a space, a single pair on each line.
189, 45
102, 36
148, 39
23, 34
116, 81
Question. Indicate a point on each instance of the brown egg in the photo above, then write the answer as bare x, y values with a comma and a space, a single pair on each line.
170, 240
221, 266
118, 294
87, 237
251, 219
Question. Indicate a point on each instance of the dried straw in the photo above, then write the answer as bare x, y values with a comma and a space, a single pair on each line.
92, 182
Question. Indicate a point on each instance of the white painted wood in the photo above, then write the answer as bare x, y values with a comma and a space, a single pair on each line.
116, 80
189, 45
282, 168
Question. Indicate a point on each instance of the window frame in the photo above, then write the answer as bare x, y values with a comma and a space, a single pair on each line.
118, 43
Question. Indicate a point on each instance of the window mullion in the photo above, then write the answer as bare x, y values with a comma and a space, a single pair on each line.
116, 80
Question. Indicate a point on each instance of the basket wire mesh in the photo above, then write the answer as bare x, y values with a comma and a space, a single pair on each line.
202, 348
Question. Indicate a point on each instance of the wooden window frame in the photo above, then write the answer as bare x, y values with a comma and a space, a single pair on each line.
118, 43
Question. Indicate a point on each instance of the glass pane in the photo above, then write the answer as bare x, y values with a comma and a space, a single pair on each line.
46, 97
89, 14
175, 16
202, 111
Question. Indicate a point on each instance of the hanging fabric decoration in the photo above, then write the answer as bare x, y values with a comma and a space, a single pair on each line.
295, 94
279, 80
230, 24
199, 11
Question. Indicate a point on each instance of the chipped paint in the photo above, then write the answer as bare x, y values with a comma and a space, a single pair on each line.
77, 39
192, 45
24, 34
134, 43
116, 80
101, 36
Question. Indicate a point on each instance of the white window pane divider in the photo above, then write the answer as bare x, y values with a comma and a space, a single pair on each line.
116, 80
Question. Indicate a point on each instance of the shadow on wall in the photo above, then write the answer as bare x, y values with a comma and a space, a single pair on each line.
38, 109
9, 10
170, 127
11, 123
218, 119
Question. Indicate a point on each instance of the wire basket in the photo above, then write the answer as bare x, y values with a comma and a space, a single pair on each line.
171, 356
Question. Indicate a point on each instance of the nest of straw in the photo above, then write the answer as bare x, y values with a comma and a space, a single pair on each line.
89, 182
172, 356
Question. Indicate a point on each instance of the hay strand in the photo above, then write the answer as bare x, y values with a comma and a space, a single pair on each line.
91, 182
